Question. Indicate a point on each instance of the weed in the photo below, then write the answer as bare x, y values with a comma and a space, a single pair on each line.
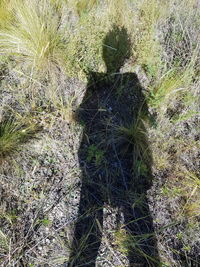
46, 222
10, 217
167, 85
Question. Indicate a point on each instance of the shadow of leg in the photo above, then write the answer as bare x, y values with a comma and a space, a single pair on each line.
141, 241
87, 234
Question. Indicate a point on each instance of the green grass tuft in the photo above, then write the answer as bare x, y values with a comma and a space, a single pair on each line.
13, 133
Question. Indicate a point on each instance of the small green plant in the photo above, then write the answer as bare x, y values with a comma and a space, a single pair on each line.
171, 192
180, 235
13, 133
141, 167
10, 217
95, 154
46, 221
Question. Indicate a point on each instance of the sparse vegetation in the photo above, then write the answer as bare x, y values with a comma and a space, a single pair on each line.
53, 54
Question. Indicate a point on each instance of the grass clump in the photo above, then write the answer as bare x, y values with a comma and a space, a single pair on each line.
33, 37
168, 85
134, 134
13, 133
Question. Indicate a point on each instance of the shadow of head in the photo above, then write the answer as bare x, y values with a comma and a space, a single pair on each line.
116, 48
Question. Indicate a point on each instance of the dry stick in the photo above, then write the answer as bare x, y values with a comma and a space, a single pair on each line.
9, 256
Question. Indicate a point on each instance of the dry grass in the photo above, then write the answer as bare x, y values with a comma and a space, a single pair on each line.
13, 133
44, 40
33, 38
6, 15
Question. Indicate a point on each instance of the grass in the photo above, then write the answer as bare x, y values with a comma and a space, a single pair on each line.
133, 134
135, 137
190, 189
85, 47
64, 106
6, 15
84, 6
127, 241
34, 36
4, 243
173, 82
147, 47
48, 40
14, 133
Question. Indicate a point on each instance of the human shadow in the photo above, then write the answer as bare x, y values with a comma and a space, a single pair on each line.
115, 159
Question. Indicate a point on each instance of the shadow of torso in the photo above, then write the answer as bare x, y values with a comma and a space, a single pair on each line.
111, 160
106, 156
